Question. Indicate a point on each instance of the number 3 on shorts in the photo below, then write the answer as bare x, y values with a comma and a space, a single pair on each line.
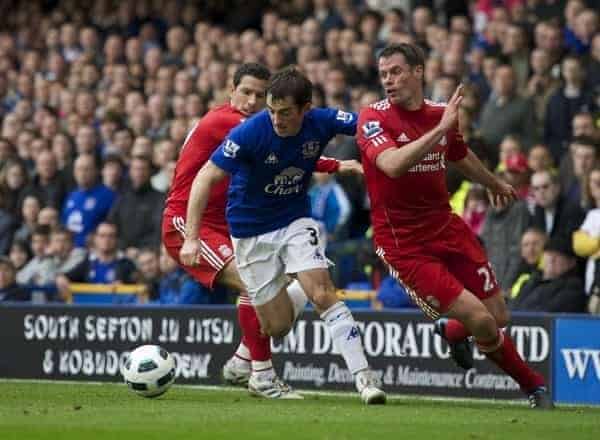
314, 236
488, 277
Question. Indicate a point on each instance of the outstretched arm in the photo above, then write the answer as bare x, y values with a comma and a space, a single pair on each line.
208, 176
501, 193
395, 162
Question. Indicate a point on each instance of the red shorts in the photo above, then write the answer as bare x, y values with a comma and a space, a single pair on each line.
217, 250
435, 271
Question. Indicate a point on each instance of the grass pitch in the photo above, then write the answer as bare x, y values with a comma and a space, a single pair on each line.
57, 411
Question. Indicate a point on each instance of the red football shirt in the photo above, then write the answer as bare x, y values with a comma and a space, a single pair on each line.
415, 206
206, 136
202, 141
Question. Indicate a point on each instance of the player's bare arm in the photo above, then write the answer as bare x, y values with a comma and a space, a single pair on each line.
208, 176
500, 192
395, 162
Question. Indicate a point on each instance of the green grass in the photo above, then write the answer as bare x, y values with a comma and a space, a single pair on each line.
30, 410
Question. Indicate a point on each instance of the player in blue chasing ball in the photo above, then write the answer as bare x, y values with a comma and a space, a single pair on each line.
271, 157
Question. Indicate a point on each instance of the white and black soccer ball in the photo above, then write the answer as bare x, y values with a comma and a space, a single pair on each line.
149, 370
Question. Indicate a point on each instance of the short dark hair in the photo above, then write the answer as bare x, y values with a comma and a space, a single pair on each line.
413, 54
7, 262
44, 230
289, 81
254, 70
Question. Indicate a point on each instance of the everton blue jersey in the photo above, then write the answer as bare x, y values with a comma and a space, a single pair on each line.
270, 175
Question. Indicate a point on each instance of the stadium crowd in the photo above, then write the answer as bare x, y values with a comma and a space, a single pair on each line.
96, 100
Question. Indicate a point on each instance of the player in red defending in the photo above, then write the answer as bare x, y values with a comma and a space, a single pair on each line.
253, 356
406, 143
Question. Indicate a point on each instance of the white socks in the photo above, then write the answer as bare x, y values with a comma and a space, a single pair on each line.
297, 296
243, 353
346, 336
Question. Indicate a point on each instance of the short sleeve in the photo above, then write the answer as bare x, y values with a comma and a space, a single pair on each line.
457, 149
233, 150
371, 134
338, 121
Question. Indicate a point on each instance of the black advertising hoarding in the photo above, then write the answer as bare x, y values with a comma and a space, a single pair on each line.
79, 343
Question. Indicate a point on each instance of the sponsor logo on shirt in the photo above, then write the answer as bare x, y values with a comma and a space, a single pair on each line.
230, 149
345, 117
289, 181
432, 162
271, 159
89, 204
371, 129
310, 149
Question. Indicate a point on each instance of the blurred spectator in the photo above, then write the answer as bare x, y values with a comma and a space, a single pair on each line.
113, 170
539, 158
50, 217
583, 126
149, 272
501, 235
517, 173
37, 270
141, 202
89, 204
30, 210
505, 112
585, 157
8, 222
476, 206
9, 290
19, 254
176, 286
392, 294
586, 240
532, 249
330, 206
552, 213
104, 264
13, 180
540, 86
558, 288
569, 100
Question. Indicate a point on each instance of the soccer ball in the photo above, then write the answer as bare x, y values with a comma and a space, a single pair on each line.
149, 370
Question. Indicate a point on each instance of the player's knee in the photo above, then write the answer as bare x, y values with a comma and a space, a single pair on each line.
323, 298
502, 317
276, 329
484, 325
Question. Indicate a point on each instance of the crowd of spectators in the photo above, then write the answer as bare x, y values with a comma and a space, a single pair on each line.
96, 98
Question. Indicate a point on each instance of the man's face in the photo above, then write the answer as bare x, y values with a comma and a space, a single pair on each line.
399, 80
532, 246
249, 95
286, 115
139, 172
556, 264
148, 265
61, 244
583, 125
584, 159
545, 191
105, 238
504, 81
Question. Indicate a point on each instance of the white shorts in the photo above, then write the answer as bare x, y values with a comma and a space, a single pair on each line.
265, 260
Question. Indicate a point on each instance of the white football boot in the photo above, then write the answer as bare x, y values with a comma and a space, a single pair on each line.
236, 372
368, 386
271, 387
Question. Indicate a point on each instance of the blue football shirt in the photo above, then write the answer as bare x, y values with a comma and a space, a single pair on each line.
270, 174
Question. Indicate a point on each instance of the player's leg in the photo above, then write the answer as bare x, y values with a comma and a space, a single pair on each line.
344, 331
304, 255
498, 346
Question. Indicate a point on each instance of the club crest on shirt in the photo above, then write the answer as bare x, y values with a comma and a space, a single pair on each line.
310, 149
371, 129
230, 149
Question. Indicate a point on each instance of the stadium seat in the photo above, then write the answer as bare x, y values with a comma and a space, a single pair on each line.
86, 293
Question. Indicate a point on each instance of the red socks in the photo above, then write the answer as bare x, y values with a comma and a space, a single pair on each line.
258, 344
455, 331
508, 359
